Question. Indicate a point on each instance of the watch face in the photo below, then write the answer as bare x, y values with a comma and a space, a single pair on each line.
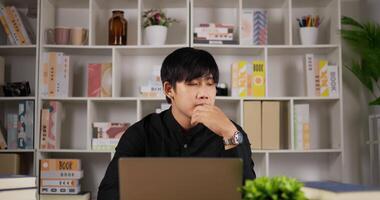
239, 138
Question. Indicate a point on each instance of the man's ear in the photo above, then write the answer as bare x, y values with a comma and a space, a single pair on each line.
168, 90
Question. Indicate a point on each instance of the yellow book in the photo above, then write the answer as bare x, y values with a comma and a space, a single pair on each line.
323, 78
258, 78
239, 78
52, 74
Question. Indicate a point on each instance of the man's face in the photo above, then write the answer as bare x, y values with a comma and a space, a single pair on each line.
188, 95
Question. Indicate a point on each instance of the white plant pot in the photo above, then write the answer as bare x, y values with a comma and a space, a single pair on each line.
155, 35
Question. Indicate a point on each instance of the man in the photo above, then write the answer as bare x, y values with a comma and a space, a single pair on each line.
192, 127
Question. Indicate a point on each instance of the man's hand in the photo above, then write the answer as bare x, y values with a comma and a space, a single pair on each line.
214, 119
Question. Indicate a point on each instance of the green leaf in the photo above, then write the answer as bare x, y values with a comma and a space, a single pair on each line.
350, 21
362, 74
375, 102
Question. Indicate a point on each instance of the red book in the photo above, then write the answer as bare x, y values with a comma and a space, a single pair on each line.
94, 80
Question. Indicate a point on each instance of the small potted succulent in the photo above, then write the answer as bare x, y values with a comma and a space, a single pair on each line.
276, 188
156, 26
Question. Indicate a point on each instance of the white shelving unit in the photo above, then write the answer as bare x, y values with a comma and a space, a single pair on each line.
21, 64
133, 63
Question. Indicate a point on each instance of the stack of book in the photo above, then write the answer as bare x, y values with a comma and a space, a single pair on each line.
107, 135
254, 27
51, 119
57, 72
13, 27
99, 80
18, 187
164, 106
248, 79
212, 33
321, 77
60, 176
302, 129
154, 86
266, 123
19, 128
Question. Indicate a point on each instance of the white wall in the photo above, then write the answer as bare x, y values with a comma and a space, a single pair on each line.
356, 98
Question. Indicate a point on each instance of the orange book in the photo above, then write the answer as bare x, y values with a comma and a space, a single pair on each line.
44, 128
52, 89
16, 26
60, 165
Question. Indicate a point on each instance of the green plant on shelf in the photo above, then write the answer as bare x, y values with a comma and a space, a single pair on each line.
364, 40
275, 188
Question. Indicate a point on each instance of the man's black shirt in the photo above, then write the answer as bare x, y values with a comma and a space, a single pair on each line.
160, 135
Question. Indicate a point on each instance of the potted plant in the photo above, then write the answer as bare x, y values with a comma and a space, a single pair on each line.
276, 188
156, 26
364, 40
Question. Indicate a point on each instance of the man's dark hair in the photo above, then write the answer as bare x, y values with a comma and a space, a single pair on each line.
186, 64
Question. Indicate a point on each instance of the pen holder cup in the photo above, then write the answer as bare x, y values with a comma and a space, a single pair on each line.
309, 35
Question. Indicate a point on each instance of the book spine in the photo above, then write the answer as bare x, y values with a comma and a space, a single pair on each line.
6, 27
317, 80
323, 78
55, 120
61, 174
60, 165
60, 190
52, 74
246, 29
29, 124
260, 27
22, 31
333, 80
259, 81
310, 75
60, 74
94, 80
44, 128
16, 27
10, 26
59, 183
106, 80
12, 131
21, 134
44, 81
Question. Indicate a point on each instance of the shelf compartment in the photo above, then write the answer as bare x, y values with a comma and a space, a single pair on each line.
287, 72
112, 111
94, 167
79, 65
178, 33
63, 13
325, 120
21, 68
73, 125
278, 18
26, 161
210, 11
327, 9
101, 12
315, 167
135, 69
226, 56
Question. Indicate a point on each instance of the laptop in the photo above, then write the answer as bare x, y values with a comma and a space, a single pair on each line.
180, 178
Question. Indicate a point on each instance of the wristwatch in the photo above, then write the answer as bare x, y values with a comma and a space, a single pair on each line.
236, 139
